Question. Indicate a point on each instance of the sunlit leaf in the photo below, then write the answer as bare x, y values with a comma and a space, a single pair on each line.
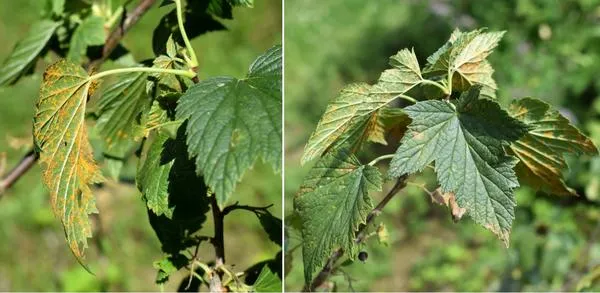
466, 142
26, 51
541, 150
354, 116
464, 58
332, 203
267, 281
60, 135
232, 122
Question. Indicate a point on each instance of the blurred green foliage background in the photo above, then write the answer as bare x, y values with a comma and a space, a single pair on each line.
34, 255
551, 51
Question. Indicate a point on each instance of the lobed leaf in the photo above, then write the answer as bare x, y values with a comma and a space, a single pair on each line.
466, 142
60, 136
356, 114
26, 51
465, 54
332, 203
541, 150
89, 33
232, 122
119, 113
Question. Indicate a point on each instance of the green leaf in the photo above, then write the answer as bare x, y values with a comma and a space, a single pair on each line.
233, 121
332, 203
26, 51
355, 115
267, 281
60, 136
89, 33
164, 169
465, 54
466, 142
541, 150
119, 110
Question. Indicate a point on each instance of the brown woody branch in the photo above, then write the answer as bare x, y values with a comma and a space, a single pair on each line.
112, 41
360, 237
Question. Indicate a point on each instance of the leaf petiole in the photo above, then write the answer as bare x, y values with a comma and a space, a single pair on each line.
436, 84
410, 99
186, 73
384, 157
194, 61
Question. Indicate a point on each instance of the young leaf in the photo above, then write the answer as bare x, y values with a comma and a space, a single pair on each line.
355, 115
26, 51
465, 54
233, 121
267, 281
332, 203
466, 142
60, 135
119, 111
541, 150
89, 33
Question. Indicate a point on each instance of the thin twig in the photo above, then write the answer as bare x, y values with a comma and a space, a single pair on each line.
111, 43
236, 206
330, 264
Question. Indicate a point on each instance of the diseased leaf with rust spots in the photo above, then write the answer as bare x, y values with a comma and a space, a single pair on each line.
466, 142
541, 150
464, 58
233, 122
354, 116
332, 203
60, 136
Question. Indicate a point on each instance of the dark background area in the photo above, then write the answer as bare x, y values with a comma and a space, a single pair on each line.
34, 255
551, 51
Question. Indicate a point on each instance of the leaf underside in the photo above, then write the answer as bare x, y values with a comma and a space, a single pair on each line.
60, 135
267, 281
26, 51
466, 142
232, 122
541, 150
332, 203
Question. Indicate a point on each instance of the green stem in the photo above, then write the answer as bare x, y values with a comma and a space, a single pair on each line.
410, 99
194, 60
185, 73
450, 73
436, 84
384, 157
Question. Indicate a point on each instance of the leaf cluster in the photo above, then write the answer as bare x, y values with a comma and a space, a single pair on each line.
451, 122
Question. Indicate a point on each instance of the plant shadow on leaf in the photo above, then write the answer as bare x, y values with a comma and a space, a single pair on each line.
197, 21
187, 196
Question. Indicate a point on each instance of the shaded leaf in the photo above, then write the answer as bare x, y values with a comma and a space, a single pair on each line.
60, 136
466, 142
26, 51
197, 21
233, 121
272, 225
267, 281
332, 203
89, 33
541, 150
119, 113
